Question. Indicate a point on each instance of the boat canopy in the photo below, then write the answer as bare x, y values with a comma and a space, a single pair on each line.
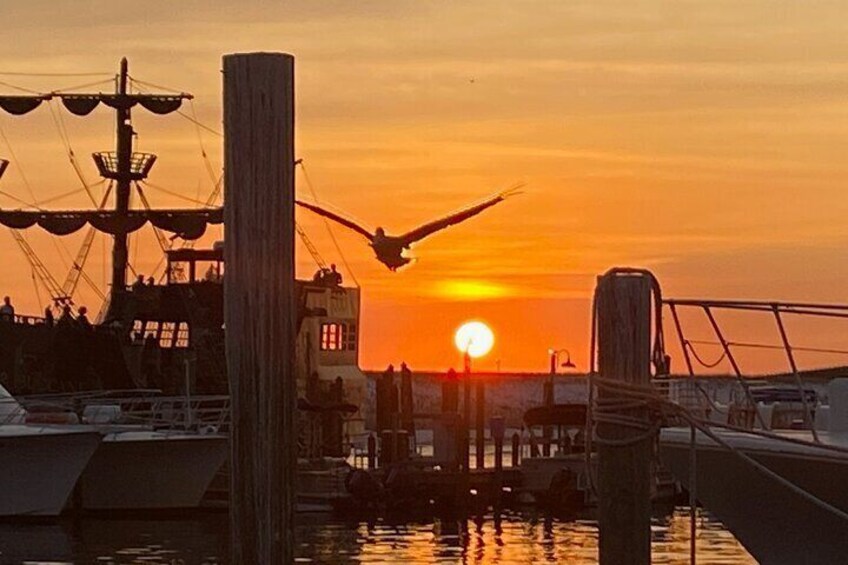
187, 224
84, 104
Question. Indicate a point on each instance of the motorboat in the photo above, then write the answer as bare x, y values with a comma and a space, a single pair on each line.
40, 463
781, 492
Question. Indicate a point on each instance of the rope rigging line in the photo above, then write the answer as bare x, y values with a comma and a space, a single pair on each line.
772, 346
698, 358
175, 194
193, 118
20, 88
27, 74
32, 258
18, 200
77, 268
136, 81
71, 89
35, 286
327, 224
164, 244
14, 158
59, 121
209, 168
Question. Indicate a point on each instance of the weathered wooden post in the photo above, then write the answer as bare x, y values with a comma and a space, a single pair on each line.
497, 426
407, 404
260, 306
466, 416
372, 451
516, 449
480, 427
548, 400
624, 452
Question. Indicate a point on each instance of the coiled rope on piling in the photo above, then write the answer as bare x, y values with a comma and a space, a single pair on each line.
643, 410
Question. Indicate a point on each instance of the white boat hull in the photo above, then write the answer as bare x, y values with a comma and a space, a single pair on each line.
774, 523
38, 471
138, 471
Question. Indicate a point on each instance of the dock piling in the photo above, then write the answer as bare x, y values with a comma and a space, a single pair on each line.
480, 427
259, 304
624, 450
516, 449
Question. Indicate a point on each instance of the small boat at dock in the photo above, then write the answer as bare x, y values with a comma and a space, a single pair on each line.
790, 505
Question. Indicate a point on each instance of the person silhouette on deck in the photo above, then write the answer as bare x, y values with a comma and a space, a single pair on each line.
7, 311
82, 318
334, 277
66, 319
48, 317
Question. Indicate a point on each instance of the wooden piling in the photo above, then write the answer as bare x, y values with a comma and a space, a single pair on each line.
480, 427
516, 449
624, 460
548, 400
372, 451
497, 427
260, 306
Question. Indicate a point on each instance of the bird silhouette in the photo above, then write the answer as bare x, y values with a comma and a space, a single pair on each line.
389, 249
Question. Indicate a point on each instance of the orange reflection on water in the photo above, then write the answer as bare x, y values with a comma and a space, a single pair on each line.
517, 539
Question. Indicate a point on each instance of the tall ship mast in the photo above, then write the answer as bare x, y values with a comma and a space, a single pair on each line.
167, 336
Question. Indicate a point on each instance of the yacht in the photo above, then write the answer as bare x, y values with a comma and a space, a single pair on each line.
791, 506
40, 463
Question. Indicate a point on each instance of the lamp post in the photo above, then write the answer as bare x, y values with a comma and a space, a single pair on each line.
548, 392
474, 339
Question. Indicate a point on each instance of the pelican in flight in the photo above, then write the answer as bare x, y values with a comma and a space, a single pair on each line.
390, 248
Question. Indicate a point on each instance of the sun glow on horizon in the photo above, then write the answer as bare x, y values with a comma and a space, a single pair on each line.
470, 289
475, 338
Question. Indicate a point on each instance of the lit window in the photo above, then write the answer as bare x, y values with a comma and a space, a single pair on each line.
166, 335
182, 335
151, 328
338, 337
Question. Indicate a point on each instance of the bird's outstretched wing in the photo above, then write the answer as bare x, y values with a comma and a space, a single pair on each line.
432, 227
336, 218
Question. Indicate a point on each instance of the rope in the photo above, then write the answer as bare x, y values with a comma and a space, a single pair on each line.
58, 120
35, 286
152, 85
753, 345
70, 89
20, 74
175, 194
20, 88
209, 169
18, 200
327, 225
700, 360
660, 407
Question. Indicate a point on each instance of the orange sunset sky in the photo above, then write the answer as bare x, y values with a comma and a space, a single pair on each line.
705, 141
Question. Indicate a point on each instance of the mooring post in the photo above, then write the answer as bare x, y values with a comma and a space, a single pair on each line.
497, 426
259, 304
466, 417
624, 451
548, 400
480, 428
516, 449
372, 451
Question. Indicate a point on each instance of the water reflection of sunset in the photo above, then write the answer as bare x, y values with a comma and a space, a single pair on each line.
513, 539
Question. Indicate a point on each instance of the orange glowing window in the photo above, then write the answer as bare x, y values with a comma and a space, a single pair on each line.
338, 337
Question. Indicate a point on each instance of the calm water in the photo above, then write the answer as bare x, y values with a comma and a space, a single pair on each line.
510, 539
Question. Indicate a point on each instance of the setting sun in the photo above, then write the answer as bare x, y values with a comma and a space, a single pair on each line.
475, 338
